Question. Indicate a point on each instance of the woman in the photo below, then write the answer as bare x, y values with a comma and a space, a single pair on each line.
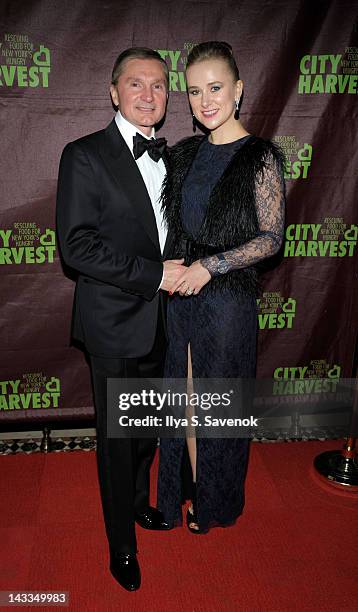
224, 206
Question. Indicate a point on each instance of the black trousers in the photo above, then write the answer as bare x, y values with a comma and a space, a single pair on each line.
124, 464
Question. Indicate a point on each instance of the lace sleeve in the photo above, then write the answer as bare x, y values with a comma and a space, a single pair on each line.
270, 209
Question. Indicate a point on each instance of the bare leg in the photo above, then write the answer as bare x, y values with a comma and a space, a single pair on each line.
191, 441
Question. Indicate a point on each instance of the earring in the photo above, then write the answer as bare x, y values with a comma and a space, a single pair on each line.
194, 123
237, 108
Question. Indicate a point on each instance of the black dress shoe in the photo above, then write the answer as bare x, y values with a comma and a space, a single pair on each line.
151, 519
125, 569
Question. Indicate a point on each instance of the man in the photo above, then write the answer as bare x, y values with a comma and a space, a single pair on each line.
110, 231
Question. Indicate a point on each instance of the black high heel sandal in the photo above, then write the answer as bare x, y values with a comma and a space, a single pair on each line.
192, 517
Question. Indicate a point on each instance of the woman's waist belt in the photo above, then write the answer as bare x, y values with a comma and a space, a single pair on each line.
194, 249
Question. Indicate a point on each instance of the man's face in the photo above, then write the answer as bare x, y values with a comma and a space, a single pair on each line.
141, 93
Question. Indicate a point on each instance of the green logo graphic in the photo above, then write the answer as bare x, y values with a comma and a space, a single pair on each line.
297, 158
328, 239
329, 73
23, 64
26, 244
317, 377
34, 391
176, 60
275, 311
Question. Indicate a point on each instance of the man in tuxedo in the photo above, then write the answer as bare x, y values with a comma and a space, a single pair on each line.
111, 233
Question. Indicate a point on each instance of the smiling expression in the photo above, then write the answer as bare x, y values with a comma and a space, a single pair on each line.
141, 93
212, 93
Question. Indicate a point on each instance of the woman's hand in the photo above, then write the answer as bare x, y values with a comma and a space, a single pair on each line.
192, 281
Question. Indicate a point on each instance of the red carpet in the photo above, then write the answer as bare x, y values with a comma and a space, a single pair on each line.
294, 548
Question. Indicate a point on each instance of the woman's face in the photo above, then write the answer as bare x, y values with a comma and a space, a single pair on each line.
212, 92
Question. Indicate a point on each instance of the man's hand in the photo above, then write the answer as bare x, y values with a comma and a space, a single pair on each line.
192, 280
173, 269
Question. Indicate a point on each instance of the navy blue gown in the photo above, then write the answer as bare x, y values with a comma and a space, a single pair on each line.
221, 329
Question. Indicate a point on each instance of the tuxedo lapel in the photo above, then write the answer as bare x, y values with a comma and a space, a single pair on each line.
122, 166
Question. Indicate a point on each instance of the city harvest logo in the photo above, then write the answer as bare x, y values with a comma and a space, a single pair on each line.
297, 158
331, 238
329, 73
275, 311
22, 64
317, 377
33, 391
176, 61
27, 244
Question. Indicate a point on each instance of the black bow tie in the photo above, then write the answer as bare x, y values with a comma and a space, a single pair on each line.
154, 147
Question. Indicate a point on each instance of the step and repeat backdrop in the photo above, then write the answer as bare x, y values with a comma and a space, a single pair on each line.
299, 64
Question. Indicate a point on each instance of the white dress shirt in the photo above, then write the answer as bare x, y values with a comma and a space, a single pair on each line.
153, 173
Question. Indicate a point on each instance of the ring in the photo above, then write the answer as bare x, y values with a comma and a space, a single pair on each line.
189, 291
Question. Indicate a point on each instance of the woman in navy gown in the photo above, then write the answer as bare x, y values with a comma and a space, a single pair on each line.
224, 207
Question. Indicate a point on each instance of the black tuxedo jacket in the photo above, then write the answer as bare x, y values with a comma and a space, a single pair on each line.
108, 235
